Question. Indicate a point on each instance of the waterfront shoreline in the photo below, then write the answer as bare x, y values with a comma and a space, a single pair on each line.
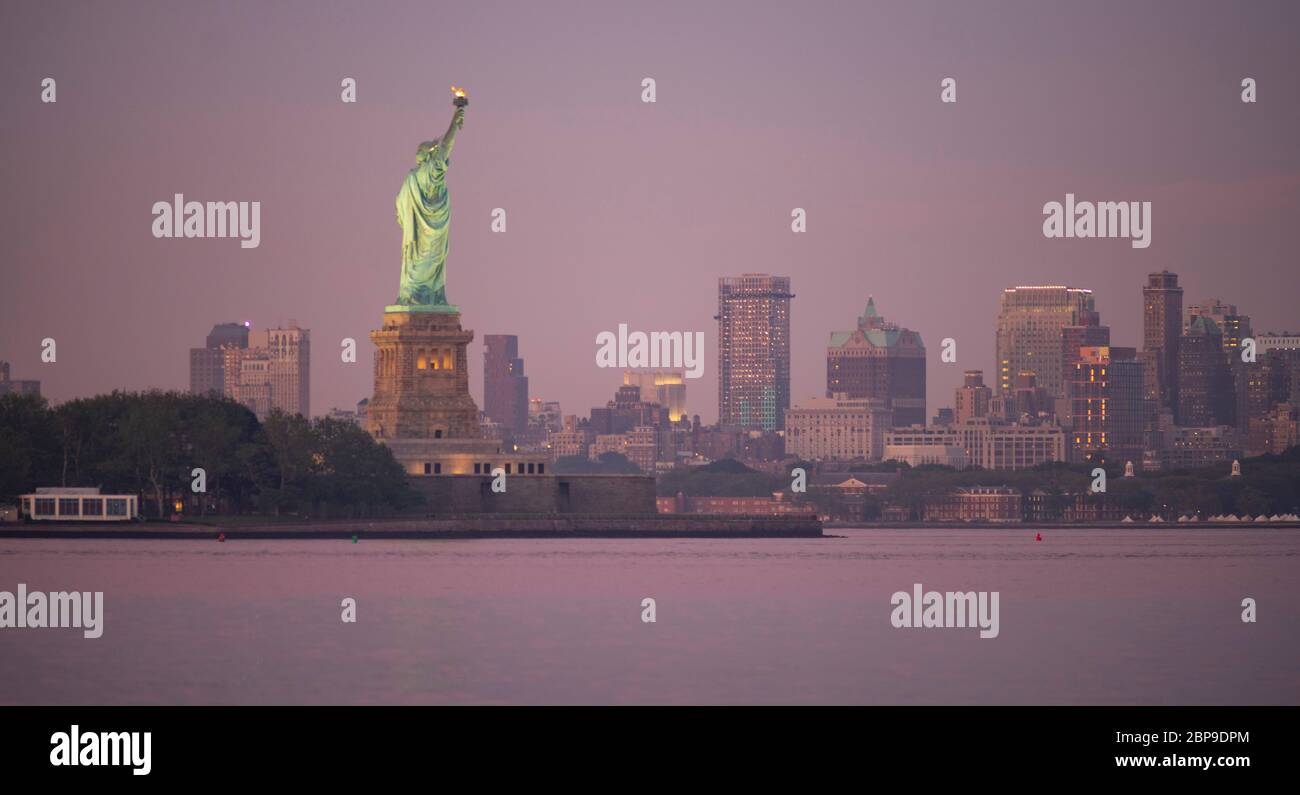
632, 526
486, 527
1134, 525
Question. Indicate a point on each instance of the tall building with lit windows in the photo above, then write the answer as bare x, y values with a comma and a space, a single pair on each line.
1233, 326
753, 350
1031, 322
1088, 333
1106, 406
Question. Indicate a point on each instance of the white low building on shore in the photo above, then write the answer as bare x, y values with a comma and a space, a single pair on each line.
74, 504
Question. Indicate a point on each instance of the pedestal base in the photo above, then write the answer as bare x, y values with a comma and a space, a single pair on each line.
422, 377
422, 410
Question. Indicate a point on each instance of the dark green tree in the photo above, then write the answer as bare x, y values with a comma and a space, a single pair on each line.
29, 445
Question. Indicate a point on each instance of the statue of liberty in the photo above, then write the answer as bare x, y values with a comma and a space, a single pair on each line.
424, 213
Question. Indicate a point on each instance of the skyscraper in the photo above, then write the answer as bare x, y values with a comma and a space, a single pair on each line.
665, 387
972, 398
272, 372
1029, 399
208, 364
1030, 325
1107, 407
753, 350
1233, 326
626, 411
882, 361
505, 387
1162, 325
1087, 333
290, 353
1205, 387
1273, 378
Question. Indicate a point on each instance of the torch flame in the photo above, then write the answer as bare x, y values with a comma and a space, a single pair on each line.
460, 92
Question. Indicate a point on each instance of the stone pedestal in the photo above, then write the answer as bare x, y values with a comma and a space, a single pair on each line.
421, 408
422, 377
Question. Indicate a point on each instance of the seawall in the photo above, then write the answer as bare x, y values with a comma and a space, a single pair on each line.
493, 526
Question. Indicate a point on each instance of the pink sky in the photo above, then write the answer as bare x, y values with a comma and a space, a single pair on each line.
624, 212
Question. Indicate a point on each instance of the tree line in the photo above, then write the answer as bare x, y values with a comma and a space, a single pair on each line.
150, 443
1269, 484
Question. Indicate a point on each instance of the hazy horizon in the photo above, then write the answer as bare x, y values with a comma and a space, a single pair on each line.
620, 211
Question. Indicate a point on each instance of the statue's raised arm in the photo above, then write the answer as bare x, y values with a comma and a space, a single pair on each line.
424, 213
449, 138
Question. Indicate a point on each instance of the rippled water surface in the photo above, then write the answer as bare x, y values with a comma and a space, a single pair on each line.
1086, 616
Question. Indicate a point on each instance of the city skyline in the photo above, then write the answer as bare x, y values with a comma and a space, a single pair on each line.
945, 401
1223, 195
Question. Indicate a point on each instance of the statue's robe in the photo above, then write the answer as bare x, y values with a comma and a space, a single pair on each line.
424, 213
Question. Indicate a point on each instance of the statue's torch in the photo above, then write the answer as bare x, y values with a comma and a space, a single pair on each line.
459, 98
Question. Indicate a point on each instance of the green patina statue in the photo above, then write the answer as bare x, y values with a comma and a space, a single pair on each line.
424, 213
